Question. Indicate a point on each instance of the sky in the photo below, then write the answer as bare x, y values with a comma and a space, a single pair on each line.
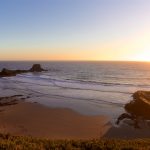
75, 30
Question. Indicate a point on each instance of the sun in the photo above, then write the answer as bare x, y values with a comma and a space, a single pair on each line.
144, 55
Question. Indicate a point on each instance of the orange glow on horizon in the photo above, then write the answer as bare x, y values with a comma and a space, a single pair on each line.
124, 50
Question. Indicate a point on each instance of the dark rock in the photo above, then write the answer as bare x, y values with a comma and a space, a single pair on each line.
138, 109
5, 73
128, 116
8, 73
124, 116
140, 105
37, 68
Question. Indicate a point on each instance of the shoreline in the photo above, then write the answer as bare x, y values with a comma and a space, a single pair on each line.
20, 117
36, 120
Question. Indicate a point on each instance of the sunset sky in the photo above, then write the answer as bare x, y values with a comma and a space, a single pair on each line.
75, 30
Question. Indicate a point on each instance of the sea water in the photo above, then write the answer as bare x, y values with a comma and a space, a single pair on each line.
90, 88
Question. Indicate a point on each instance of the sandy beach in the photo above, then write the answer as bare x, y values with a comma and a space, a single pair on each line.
33, 119
22, 118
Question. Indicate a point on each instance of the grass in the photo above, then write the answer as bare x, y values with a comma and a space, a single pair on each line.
9, 142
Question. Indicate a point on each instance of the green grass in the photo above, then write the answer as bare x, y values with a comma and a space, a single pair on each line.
9, 142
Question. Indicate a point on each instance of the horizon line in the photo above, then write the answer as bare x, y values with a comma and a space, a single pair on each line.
76, 61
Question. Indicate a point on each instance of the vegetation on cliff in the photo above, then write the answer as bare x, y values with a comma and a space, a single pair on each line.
8, 142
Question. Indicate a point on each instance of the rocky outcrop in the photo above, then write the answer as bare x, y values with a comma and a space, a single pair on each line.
8, 73
37, 68
137, 109
140, 105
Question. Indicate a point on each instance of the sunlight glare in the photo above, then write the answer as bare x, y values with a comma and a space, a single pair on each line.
144, 55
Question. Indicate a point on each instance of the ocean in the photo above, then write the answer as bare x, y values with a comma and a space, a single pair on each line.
90, 88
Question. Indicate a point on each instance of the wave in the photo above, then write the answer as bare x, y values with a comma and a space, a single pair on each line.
128, 78
95, 101
33, 93
32, 83
55, 80
36, 81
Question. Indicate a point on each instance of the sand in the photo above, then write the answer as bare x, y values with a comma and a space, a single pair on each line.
18, 117
33, 119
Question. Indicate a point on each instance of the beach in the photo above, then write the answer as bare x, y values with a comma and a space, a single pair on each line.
33, 119
19, 117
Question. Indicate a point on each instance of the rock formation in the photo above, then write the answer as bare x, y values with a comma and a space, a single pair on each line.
140, 105
7, 73
138, 108
36, 68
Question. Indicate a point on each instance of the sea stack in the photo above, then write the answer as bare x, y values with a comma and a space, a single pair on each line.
37, 68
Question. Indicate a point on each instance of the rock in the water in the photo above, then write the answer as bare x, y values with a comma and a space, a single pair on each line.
5, 73
36, 68
8, 73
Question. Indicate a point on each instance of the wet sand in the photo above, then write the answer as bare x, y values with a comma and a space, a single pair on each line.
33, 119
